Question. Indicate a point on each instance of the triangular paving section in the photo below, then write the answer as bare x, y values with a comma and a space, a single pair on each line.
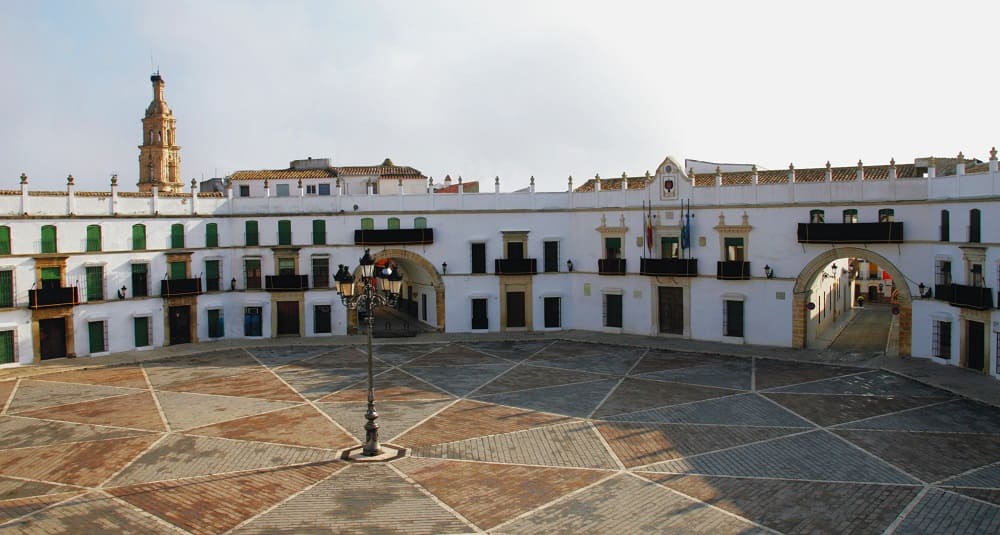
959, 416
137, 411
179, 456
397, 354
281, 355
468, 419
459, 380
15, 489
394, 416
945, 512
572, 349
835, 409
185, 411
6, 387
734, 375
528, 377
33, 395
263, 385
91, 513
815, 455
393, 385
655, 361
454, 355
123, 376
638, 444
183, 502
341, 357
297, 426
510, 349
739, 409
85, 464
986, 495
201, 366
987, 477
577, 400
919, 454
18, 507
636, 394
29, 432
798, 506
358, 499
611, 364
488, 494
573, 444
874, 383
627, 504
774, 373
316, 383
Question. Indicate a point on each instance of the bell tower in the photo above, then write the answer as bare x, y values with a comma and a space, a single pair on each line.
159, 154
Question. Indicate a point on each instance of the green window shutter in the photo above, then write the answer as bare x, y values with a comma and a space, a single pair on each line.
4, 240
95, 330
816, 216
49, 239
420, 222
216, 327
252, 236
138, 237
6, 289
319, 232
212, 269
6, 347
284, 232
178, 270
211, 235
93, 237
95, 283
141, 332
850, 215
177, 236
670, 247
51, 273
367, 223
393, 223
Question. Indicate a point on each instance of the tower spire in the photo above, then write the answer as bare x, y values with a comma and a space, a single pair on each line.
159, 154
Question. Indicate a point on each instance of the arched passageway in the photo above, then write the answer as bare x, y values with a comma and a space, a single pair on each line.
422, 294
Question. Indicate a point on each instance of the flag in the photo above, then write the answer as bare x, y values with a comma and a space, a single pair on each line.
649, 229
686, 228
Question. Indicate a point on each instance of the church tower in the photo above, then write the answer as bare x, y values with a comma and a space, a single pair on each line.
159, 154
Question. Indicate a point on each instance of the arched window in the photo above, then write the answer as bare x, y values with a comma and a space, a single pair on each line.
886, 215
851, 215
49, 239
252, 236
284, 232
393, 223
816, 216
93, 237
974, 230
177, 236
138, 237
420, 222
4, 240
367, 223
945, 225
211, 235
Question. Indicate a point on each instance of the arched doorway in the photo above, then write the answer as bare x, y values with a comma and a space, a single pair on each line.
422, 284
815, 268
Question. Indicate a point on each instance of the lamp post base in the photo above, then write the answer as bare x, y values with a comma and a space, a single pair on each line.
390, 452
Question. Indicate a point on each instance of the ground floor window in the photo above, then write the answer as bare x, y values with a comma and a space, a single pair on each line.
252, 321
141, 327
8, 352
553, 306
98, 336
732, 319
321, 319
613, 310
941, 339
479, 318
216, 323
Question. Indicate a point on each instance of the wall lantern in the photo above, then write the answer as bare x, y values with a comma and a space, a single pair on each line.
768, 272
444, 267
569, 265
232, 284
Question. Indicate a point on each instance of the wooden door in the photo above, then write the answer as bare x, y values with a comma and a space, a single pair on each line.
515, 309
180, 324
975, 346
52, 338
288, 318
671, 310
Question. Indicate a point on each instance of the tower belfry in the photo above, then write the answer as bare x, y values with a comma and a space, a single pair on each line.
159, 154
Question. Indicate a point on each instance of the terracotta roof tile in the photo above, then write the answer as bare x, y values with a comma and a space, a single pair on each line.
377, 170
467, 187
634, 182
279, 174
809, 175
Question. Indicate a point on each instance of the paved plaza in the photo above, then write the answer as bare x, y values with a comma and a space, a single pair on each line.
531, 436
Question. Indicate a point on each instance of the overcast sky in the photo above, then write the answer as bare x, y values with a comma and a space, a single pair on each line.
479, 89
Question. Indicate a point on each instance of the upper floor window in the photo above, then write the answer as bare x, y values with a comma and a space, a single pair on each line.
851, 215
945, 225
177, 236
942, 272
479, 258
670, 247
420, 222
612, 248
4, 239
886, 215
281, 190
284, 232
974, 219
319, 232
93, 238
49, 239
138, 237
393, 223
735, 249
367, 223
551, 256
6, 288
324, 189
244, 191
311, 189
212, 235
816, 216
251, 234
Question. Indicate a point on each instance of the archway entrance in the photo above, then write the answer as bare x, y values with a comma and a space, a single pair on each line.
806, 283
422, 295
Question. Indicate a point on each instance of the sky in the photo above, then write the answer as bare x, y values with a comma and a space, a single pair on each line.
513, 89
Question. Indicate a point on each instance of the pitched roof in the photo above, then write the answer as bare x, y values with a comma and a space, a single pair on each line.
394, 171
815, 174
634, 182
467, 187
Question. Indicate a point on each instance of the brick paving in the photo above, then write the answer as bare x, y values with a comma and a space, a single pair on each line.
503, 436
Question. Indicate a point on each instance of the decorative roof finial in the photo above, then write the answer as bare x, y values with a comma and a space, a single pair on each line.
69, 180
24, 178
647, 174
459, 179
496, 180
993, 153
624, 175
791, 167
194, 182
892, 162
753, 168
114, 179
532, 180
960, 155
860, 165
718, 170
828, 164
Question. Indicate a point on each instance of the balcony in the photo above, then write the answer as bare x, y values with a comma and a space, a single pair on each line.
611, 266
971, 297
515, 266
213, 284
891, 232
732, 270
53, 297
178, 287
407, 236
669, 267
942, 292
286, 282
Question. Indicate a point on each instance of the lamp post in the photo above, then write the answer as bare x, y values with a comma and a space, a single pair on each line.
377, 289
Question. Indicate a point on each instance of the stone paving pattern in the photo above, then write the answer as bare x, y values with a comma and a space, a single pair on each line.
523, 436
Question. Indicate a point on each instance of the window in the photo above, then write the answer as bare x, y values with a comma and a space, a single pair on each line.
216, 323
324, 189
612, 248
735, 250
367, 223
945, 226
552, 312
250, 231
93, 238
393, 223
670, 247
244, 191
732, 319
284, 232
613, 310
138, 237
850, 215
974, 218
51, 277
8, 349
140, 280
281, 190
6, 288
213, 281
4, 240
177, 270
177, 236
419, 222
942, 272
817, 216
49, 239
479, 258
321, 319
212, 235
551, 256
97, 335
311, 189
479, 317
515, 250
976, 272
319, 232
886, 215
286, 266
321, 272
95, 283
140, 327
251, 271
941, 340
252, 325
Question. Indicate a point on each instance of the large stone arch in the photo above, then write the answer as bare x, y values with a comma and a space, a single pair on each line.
812, 269
436, 281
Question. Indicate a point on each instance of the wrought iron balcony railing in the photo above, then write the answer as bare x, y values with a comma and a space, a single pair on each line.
669, 267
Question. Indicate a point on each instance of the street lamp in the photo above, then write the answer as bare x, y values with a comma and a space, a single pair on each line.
373, 293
